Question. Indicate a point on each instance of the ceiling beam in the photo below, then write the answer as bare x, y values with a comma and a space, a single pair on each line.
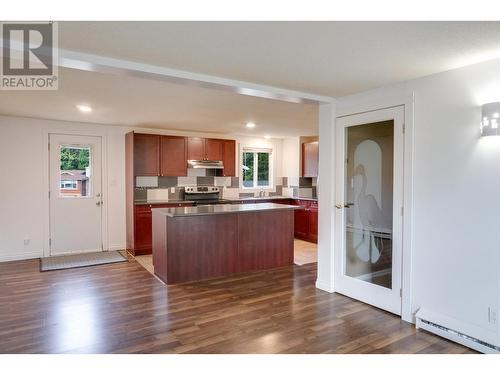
101, 64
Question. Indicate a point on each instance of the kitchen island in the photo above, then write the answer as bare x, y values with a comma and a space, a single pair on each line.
196, 243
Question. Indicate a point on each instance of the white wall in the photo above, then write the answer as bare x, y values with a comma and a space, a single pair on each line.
23, 171
456, 201
23, 190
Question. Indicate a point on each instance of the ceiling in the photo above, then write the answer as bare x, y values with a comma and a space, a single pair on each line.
325, 58
147, 103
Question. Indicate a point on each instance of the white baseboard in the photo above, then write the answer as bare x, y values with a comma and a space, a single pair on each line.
466, 334
117, 247
21, 255
327, 287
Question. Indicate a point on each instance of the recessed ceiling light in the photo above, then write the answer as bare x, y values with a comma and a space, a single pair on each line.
267, 136
250, 125
84, 108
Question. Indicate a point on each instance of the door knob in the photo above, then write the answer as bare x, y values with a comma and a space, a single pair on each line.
346, 205
99, 203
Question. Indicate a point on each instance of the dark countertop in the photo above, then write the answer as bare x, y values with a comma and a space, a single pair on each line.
276, 197
162, 202
222, 209
153, 202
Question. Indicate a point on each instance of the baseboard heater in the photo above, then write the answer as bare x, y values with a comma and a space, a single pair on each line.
456, 336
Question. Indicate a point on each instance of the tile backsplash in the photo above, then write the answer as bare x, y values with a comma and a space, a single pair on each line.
172, 188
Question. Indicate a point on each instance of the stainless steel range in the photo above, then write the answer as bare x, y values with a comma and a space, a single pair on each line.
204, 195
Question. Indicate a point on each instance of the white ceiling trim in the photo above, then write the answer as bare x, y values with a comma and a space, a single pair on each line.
102, 64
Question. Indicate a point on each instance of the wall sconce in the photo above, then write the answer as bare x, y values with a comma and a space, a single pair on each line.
490, 114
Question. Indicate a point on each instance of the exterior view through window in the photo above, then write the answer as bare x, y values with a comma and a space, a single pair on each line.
76, 172
256, 169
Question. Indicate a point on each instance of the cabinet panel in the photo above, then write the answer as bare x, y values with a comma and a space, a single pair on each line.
301, 224
310, 159
313, 224
173, 161
196, 148
143, 223
146, 155
229, 158
214, 149
143, 230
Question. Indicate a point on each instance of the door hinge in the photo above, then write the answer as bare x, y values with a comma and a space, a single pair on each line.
402, 211
401, 292
50, 241
404, 128
49, 194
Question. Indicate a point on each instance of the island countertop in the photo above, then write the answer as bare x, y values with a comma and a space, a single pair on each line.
222, 209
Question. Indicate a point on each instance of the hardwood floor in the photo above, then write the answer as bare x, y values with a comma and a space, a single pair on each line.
122, 308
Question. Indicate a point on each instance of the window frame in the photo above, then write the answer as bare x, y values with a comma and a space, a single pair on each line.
256, 151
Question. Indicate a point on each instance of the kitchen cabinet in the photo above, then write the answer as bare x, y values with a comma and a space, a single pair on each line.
306, 220
313, 224
143, 232
229, 158
301, 223
206, 148
146, 154
196, 148
173, 156
310, 159
214, 149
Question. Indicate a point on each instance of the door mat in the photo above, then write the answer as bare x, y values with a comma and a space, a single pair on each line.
61, 262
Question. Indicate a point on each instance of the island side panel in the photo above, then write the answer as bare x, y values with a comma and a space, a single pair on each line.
201, 247
160, 245
265, 239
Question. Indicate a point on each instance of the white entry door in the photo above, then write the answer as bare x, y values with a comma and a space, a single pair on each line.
75, 194
369, 207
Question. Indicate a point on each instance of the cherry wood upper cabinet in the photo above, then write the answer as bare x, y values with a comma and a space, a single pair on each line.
146, 154
196, 148
214, 149
173, 156
310, 159
229, 158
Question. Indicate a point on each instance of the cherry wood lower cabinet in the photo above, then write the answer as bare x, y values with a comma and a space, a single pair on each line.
189, 248
306, 220
142, 242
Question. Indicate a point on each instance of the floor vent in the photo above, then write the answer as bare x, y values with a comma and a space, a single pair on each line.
459, 337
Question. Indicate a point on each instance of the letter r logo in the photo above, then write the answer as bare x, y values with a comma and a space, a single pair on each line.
27, 49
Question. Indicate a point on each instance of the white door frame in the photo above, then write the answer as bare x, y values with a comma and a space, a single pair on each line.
400, 96
387, 299
63, 130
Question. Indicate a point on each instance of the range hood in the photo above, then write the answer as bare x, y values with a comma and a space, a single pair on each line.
205, 164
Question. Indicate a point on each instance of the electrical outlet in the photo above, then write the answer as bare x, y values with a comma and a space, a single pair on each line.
493, 317
26, 241
172, 190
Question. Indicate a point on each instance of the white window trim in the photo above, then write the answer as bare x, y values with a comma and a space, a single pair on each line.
255, 187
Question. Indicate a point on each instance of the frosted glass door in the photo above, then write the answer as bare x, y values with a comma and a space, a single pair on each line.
369, 207
369, 202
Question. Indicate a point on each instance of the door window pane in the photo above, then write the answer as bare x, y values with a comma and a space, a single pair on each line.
75, 171
369, 197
